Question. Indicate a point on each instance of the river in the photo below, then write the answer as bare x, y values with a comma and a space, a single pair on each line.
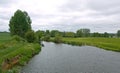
63, 58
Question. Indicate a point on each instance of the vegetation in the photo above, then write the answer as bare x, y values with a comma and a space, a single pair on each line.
118, 33
39, 35
13, 49
83, 33
58, 38
13, 52
30, 36
20, 23
105, 43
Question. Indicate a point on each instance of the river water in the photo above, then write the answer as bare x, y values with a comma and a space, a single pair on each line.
63, 58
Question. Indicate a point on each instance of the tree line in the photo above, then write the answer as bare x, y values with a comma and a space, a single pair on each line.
84, 32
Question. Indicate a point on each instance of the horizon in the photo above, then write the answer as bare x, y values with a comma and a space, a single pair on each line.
65, 15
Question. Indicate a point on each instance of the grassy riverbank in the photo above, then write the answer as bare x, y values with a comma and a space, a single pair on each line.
14, 53
112, 44
105, 43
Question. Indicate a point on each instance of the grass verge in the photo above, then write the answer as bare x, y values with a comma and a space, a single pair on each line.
14, 54
112, 44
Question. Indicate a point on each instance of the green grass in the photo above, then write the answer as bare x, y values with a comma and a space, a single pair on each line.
4, 37
10, 48
112, 44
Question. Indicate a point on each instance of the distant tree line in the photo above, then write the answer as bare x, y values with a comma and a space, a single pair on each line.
79, 33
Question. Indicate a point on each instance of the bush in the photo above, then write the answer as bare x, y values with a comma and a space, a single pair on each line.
47, 37
58, 38
30, 36
17, 38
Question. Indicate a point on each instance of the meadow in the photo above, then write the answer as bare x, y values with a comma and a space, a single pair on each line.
14, 53
112, 44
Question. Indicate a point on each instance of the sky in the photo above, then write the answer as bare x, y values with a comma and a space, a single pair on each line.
65, 15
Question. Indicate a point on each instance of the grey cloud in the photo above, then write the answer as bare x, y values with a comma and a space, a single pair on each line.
7, 3
4, 17
103, 4
102, 7
72, 5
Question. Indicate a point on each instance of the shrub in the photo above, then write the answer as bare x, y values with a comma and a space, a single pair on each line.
58, 38
30, 36
47, 37
17, 38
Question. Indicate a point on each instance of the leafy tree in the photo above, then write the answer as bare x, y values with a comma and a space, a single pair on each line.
106, 34
79, 33
118, 33
47, 35
96, 34
53, 32
39, 34
20, 23
69, 34
30, 36
47, 32
83, 32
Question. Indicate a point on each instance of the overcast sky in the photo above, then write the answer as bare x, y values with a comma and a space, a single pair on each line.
65, 15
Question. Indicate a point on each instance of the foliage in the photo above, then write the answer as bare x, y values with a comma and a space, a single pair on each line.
79, 33
53, 32
96, 34
106, 34
39, 34
47, 32
69, 34
14, 48
17, 38
105, 43
83, 32
30, 36
47, 37
20, 23
58, 38
118, 33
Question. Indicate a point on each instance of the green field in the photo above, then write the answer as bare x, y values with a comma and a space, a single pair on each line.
14, 54
112, 44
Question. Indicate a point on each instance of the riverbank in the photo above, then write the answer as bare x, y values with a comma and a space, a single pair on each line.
14, 53
105, 43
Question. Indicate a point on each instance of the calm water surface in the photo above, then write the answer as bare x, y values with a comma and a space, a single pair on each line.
63, 58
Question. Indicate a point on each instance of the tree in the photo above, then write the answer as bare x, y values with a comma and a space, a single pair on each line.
47, 32
106, 34
20, 23
39, 34
53, 32
96, 34
69, 34
83, 32
118, 33
79, 33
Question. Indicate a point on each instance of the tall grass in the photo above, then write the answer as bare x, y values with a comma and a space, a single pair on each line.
12, 47
105, 43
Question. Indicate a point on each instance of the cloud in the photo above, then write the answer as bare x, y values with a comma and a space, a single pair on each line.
65, 15
7, 3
